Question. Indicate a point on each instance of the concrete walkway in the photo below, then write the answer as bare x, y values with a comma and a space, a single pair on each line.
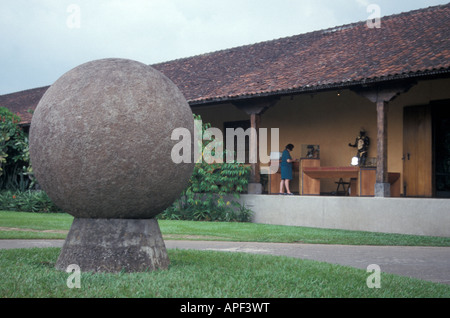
426, 263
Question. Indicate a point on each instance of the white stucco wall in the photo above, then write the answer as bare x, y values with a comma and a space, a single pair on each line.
429, 217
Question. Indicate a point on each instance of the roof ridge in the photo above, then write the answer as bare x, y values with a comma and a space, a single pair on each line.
171, 66
26, 90
319, 31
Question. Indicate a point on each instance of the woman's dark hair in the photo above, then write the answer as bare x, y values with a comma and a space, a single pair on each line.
290, 147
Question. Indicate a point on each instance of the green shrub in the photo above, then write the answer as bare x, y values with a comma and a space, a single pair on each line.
27, 201
15, 168
207, 208
212, 192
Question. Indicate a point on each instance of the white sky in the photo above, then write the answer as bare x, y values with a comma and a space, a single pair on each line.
42, 39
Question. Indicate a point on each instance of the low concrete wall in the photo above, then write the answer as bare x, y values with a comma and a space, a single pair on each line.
387, 215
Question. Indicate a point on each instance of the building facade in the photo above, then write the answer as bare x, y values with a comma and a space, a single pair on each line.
322, 88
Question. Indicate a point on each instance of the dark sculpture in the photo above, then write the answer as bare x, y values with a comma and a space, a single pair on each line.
362, 143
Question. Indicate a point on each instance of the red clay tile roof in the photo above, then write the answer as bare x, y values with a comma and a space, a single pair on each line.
408, 45
23, 103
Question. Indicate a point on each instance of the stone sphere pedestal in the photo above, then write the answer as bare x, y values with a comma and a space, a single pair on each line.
100, 144
114, 245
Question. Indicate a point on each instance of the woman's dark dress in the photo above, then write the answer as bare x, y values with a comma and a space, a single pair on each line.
286, 167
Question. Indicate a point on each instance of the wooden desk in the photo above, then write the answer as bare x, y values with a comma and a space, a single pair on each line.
362, 180
331, 172
309, 185
317, 173
365, 183
367, 179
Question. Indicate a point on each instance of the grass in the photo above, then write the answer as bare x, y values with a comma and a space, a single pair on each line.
246, 232
23, 225
30, 273
250, 232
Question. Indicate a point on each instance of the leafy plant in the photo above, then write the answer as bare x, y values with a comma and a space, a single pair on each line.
213, 191
27, 201
15, 168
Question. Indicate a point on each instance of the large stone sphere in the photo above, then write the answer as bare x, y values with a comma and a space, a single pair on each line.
100, 141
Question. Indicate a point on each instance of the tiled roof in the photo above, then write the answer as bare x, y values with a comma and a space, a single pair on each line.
23, 103
412, 44
407, 44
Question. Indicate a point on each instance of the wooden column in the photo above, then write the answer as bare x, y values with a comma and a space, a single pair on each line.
382, 186
255, 120
381, 96
255, 108
382, 142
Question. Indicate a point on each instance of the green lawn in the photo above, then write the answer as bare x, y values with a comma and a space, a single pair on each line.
30, 273
247, 232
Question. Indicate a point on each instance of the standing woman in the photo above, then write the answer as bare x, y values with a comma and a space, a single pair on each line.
286, 169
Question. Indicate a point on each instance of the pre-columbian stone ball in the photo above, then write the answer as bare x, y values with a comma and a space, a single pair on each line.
100, 140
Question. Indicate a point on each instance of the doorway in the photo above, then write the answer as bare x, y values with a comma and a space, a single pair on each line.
417, 152
441, 148
426, 150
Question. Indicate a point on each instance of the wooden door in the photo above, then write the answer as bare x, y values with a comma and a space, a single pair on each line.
417, 151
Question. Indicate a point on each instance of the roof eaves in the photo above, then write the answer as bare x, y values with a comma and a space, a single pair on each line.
323, 87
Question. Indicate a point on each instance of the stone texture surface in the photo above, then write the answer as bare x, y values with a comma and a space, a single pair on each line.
100, 140
114, 245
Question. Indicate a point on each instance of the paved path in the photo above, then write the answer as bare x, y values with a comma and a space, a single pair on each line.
427, 263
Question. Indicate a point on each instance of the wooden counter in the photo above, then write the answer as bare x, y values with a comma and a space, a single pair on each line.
275, 178
331, 172
308, 173
309, 184
367, 180
362, 180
